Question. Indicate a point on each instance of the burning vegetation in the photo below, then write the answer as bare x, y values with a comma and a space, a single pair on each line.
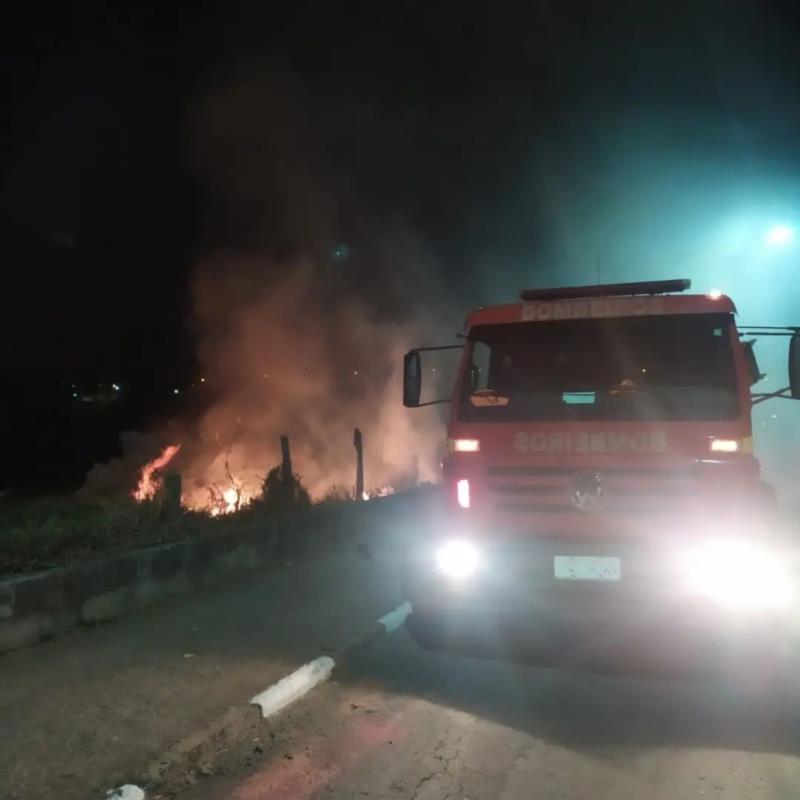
150, 478
304, 299
281, 359
226, 498
229, 498
280, 488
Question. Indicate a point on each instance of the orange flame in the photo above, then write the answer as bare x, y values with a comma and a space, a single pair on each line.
233, 490
380, 491
149, 480
227, 501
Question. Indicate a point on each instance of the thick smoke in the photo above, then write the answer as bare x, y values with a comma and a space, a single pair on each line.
308, 295
292, 355
306, 290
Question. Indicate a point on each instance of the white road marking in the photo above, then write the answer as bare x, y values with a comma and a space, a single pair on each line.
294, 686
126, 792
394, 619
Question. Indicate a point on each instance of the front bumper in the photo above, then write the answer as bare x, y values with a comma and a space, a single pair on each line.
518, 592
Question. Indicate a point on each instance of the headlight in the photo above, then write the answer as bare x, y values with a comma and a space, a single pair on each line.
458, 559
739, 575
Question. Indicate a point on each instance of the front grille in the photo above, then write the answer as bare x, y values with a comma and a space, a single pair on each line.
527, 488
526, 508
616, 472
548, 490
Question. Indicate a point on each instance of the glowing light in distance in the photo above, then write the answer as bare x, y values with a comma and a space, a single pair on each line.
714, 294
779, 235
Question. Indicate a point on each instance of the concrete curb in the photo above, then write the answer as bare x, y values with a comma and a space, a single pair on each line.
294, 686
42, 605
45, 604
244, 722
127, 792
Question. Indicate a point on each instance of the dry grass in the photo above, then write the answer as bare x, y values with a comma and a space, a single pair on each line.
51, 532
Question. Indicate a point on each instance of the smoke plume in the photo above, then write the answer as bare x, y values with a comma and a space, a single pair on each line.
308, 294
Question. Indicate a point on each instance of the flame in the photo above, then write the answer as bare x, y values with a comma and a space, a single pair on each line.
222, 501
225, 489
380, 491
227, 501
149, 479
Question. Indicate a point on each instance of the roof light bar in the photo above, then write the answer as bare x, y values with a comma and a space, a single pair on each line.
607, 290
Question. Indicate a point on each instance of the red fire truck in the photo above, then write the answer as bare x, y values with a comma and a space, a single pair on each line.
601, 470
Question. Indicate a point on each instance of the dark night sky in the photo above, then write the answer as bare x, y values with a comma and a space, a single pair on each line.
471, 122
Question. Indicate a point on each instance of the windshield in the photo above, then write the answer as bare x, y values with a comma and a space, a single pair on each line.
671, 367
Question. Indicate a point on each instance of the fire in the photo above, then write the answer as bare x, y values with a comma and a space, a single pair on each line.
227, 501
380, 491
225, 497
149, 479
226, 485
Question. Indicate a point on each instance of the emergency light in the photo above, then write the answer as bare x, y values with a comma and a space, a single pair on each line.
608, 290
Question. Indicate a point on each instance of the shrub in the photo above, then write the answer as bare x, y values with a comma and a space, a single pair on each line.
338, 493
278, 494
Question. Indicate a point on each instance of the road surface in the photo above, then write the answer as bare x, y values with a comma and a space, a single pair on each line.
160, 699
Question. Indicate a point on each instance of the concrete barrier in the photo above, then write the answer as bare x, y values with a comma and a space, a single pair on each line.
42, 605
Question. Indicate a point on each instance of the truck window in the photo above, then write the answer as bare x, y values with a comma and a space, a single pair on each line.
670, 367
481, 353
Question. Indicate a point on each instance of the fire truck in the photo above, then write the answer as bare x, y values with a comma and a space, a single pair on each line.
600, 471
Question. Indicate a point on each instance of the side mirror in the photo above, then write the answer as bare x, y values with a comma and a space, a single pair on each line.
412, 379
794, 365
753, 371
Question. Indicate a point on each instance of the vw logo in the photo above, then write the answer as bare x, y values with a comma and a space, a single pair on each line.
587, 492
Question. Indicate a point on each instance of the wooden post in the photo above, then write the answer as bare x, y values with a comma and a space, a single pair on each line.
172, 493
286, 461
357, 443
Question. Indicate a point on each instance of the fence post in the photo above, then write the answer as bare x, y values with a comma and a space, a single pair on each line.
286, 461
172, 493
357, 443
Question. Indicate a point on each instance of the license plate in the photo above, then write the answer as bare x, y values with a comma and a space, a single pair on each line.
587, 568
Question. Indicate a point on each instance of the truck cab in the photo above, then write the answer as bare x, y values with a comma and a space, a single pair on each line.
600, 467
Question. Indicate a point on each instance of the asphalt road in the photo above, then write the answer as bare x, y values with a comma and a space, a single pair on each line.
400, 722
99, 706
160, 699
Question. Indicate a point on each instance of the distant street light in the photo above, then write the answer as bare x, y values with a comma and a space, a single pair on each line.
779, 235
